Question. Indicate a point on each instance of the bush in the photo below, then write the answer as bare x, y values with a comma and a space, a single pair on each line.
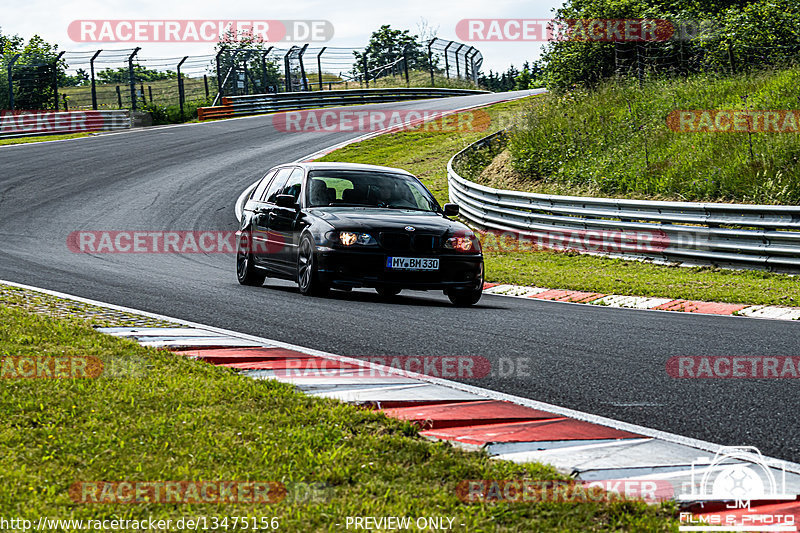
171, 114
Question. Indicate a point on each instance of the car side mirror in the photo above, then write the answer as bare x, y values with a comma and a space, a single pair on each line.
451, 210
285, 200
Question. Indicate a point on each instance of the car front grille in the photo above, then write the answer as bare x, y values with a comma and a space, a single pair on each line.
403, 242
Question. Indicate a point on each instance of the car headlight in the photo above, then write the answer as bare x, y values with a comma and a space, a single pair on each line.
348, 238
468, 243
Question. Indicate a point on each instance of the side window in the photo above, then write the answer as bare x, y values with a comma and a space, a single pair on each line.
276, 185
293, 184
259, 191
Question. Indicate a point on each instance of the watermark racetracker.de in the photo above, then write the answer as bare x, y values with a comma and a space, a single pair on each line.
734, 121
581, 30
58, 122
335, 120
734, 367
192, 30
572, 491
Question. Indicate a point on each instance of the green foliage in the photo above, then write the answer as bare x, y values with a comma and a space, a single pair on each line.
749, 31
171, 114
121, 75
614, 141
386, 46
33, 72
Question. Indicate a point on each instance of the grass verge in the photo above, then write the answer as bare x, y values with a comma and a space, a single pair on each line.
426, 152
41, 138
613, 140
172, 418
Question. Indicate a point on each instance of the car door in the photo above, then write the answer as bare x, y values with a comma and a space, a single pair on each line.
264, 249
283, 222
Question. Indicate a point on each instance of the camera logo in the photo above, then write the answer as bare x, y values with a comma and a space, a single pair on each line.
736, 477
737, 473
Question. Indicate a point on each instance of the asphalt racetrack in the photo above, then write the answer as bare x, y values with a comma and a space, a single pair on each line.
605, 361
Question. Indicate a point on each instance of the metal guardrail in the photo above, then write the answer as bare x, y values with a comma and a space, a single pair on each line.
740, 235
267, 103
33, 123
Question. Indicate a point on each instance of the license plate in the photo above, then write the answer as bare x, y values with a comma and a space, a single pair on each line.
412, 263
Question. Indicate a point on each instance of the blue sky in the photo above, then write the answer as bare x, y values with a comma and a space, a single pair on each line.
353, 20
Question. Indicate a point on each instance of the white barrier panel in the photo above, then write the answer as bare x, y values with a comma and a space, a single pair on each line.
31, 123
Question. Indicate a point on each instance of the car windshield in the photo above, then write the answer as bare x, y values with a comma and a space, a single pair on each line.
368, 188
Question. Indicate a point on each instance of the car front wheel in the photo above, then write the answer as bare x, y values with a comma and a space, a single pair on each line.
307, 275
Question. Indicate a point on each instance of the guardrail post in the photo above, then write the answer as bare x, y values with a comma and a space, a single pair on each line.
264, 68
180, 87
303, 82
219, 73
430, 60
55, 79
319, 66
366, 72
11, 81
131, 77
447, 61
94, 87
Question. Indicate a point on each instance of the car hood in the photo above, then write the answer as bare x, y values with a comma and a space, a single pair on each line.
379, 219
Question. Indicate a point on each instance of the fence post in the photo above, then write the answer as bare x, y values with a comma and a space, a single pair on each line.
303, 82
119, 97
287, 71
144, 99
405, 64
11, 81
150, 92
94, 88
467, 60
319, 66
219, 73
447, 60
730, 58
430, 60
132, 80
264, 69
66, 107
458, 69
180, 87
55, 79
366, 72
205, 83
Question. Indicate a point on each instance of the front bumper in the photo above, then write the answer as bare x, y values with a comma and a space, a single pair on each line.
367, 268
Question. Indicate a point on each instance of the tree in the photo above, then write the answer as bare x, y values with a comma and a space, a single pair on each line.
760, 26
244, 53
32, 72
386, 46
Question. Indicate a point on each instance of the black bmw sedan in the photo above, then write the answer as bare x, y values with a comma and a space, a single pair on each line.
342, 226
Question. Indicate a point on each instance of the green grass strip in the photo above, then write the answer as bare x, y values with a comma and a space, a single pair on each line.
165, 417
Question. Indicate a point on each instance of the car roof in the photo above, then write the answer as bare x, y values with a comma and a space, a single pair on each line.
333, 165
